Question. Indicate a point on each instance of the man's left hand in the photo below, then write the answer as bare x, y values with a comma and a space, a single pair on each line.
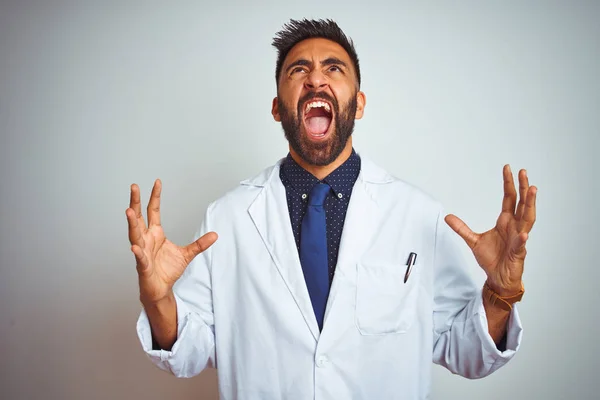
501, 251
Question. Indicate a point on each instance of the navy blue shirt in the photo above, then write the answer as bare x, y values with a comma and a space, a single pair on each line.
298, 183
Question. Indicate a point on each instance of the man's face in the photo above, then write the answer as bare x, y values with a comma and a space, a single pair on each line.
318, 100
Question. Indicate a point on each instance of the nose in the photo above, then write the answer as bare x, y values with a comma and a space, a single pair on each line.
316, 80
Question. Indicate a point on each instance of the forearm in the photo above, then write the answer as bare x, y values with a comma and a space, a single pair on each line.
497, 319
163, 321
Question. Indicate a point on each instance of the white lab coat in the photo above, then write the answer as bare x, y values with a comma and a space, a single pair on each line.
243, 306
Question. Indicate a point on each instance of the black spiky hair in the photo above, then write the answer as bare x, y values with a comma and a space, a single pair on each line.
296, 31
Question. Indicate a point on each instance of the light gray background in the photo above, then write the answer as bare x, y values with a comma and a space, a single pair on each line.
97, 95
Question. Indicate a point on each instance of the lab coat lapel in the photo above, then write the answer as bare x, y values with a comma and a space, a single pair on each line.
270, 215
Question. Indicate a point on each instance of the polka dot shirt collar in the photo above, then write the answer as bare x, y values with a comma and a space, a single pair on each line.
341, 180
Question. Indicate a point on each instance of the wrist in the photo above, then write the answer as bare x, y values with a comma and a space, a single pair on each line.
159, 303
505, 299
502, 291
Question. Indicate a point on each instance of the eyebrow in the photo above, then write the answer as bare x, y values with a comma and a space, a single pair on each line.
334, 60
305, 62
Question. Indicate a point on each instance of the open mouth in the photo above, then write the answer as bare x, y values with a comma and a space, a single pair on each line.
317, 118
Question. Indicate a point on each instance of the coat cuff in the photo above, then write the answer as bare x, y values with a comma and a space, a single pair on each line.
144, 332
514, 333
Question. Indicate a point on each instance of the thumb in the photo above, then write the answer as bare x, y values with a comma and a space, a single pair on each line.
462, 229
200, 245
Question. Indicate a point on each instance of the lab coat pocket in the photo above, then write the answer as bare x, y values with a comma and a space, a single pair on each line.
384, 303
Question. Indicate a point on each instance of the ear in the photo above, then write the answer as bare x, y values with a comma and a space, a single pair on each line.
275, 110
361, 102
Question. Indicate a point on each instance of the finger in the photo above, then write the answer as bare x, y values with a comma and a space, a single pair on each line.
141, 261
135, 232
136, 205
200, 245
510, 194
529, 212
154, 204
518, 245
523, 188
462, 229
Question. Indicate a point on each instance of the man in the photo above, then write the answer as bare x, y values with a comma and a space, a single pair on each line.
330, 278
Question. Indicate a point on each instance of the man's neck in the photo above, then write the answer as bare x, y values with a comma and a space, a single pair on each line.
321, 172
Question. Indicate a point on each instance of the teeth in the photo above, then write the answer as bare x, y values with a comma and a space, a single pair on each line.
314, 104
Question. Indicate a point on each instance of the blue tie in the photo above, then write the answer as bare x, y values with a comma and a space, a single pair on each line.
313, 251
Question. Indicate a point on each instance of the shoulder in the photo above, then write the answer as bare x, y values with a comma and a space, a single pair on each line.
241, 196
391, 190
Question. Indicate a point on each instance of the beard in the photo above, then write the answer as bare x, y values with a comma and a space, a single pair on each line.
322, 153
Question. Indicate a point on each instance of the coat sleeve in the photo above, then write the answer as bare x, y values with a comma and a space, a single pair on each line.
461, 341
194, 349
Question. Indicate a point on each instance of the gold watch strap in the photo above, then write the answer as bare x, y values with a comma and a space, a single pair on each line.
503, 302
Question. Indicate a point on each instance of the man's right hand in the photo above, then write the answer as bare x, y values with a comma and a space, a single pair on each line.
159, 261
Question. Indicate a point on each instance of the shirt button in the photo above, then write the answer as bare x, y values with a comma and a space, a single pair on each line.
304, 196
322, 361
340, 195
